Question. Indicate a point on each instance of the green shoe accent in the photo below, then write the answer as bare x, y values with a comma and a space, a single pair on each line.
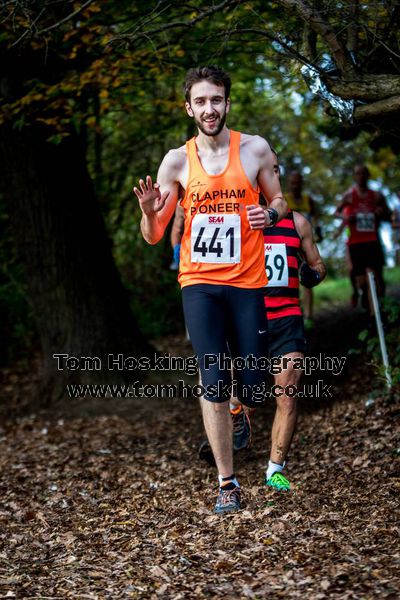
279, 482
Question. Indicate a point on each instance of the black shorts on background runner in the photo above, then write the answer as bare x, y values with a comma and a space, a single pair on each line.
366, 255
286, 334
217, 315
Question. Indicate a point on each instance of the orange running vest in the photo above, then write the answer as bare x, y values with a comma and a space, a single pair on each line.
218, 246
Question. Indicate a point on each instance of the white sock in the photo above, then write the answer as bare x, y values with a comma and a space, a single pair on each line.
274, 468
234, 480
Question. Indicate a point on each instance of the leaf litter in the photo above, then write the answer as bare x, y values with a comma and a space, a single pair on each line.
112, 502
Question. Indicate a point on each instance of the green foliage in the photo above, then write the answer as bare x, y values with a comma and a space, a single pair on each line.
17, 330
153, 288
382, 373
391, 314
336, 290
101, 74
332, 291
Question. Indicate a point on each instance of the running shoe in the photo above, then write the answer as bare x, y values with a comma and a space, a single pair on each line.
205, 453
241, 430
279, 482
228, 499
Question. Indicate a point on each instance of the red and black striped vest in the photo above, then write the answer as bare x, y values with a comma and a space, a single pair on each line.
283, 301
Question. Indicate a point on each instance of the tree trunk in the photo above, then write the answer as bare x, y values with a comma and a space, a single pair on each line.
73, 286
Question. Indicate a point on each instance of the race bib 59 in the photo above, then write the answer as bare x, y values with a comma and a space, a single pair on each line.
276, 265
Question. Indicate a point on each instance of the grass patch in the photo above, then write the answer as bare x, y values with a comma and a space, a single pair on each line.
338, 291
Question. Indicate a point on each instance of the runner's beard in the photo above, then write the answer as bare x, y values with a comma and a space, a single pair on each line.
215, 131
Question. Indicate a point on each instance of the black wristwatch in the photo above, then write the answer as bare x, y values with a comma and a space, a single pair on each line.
273, 216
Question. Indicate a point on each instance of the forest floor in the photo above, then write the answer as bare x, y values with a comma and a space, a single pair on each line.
107, 499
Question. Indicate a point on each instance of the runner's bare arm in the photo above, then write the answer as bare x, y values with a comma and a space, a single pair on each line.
177, 226
339, 230
269, 183
158, 201
340, 213
346, 199
383, 211
308, 247
315, 222
268, 178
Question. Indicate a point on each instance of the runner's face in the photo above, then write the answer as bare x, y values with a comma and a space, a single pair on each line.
361, 175
295, 183
208, 107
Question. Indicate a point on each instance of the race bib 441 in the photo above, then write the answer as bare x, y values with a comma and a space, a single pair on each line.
216, 238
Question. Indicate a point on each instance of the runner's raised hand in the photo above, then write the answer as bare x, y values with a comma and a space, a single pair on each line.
150, 198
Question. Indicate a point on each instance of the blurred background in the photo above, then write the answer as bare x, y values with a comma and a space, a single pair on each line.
91, 100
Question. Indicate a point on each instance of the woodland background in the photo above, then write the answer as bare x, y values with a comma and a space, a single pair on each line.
106, 498
91, 99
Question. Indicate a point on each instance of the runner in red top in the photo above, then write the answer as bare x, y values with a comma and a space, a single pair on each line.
362, 209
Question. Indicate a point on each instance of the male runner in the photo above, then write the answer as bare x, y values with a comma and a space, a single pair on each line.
303, 203
221, 270
362, 209
285, 246
240, 418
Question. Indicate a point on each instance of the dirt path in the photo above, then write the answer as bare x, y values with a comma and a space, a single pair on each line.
110, 501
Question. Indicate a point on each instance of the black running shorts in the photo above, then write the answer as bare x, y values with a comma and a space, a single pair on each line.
366, 255
286, 334
222, 316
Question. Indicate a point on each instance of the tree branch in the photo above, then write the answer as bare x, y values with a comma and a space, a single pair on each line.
377, 109
65, 19
176, 24
368, 87
352, 28
274, 38
27, 31
318, 24
310, 42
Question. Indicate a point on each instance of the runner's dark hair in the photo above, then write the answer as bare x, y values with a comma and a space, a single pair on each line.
211, 73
